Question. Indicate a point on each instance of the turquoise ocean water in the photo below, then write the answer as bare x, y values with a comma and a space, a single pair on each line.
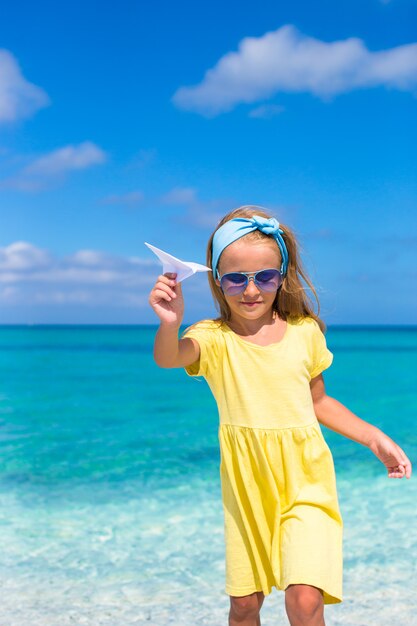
110, 501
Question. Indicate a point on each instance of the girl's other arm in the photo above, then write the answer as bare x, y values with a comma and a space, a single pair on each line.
169, 352
167, 301
334, 415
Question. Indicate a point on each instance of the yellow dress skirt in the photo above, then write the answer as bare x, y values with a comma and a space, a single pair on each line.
282, 520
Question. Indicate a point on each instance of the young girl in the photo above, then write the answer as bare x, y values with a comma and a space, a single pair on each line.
263, 359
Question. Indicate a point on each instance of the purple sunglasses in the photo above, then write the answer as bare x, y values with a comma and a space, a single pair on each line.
234, 283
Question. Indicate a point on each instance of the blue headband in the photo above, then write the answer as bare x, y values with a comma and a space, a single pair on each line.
238, 227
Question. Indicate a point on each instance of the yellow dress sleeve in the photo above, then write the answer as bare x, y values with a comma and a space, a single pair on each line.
321, 357
205, 335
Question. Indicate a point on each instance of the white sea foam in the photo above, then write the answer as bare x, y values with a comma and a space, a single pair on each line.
71, 560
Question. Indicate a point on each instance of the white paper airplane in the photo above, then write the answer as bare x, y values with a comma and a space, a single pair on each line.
184, 269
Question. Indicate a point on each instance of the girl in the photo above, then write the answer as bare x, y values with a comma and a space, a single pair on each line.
263, 358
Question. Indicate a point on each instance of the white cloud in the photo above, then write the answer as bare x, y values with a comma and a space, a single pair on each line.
75, 296
266, 111
29, 275
130, 199
66, 159
180, 195
21, 256
91, 258
206, 214
54, 166
18, 97
198, 213
285, 60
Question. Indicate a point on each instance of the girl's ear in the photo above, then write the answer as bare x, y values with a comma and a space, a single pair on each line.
216, 280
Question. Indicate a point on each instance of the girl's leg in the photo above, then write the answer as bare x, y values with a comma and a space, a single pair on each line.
244, 610
304, 605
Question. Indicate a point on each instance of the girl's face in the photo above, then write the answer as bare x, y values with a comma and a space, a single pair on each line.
241, 256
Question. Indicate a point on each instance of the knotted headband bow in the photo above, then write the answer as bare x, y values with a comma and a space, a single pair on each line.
238, 227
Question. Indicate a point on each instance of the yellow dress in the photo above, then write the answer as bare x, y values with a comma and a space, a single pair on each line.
282, 522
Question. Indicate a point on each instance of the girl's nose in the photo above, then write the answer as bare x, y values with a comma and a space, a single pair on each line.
251, 286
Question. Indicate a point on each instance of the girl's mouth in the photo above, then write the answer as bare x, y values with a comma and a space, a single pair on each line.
250, 304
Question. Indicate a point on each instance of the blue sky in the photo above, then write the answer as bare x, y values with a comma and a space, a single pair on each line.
135, 121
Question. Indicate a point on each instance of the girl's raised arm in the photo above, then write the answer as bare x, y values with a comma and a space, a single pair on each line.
167, 301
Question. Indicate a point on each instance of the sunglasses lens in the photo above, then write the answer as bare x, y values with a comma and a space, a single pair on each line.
233, 283
269, 280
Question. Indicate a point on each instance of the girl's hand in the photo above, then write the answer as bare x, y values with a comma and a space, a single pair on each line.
391, 455
166, 299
